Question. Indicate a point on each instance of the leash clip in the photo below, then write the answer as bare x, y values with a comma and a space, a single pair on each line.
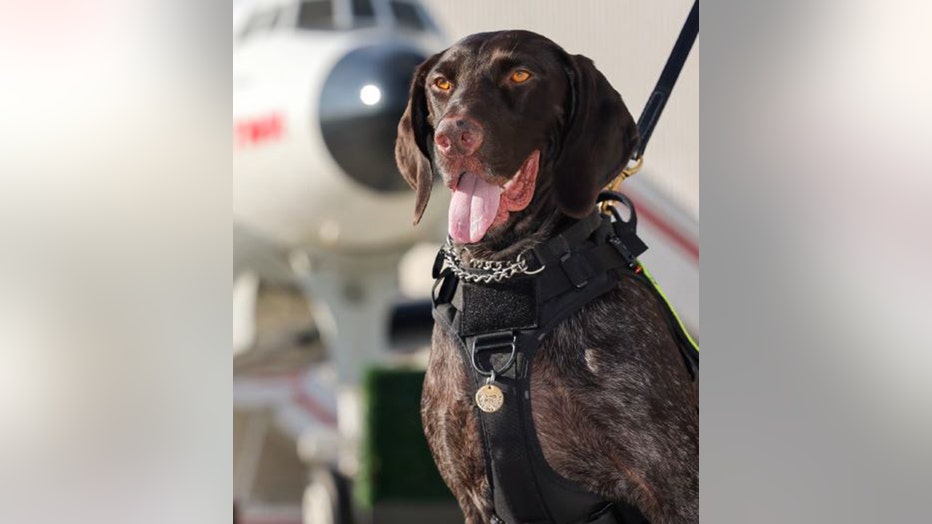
625, 238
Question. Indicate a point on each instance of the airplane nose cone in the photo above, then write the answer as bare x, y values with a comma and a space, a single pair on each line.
361, 102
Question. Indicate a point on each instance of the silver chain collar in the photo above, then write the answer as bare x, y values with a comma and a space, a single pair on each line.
497, 270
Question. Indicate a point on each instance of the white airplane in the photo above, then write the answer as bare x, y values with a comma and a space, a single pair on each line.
319, 87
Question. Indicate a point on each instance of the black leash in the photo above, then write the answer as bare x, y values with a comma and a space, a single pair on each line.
671, 71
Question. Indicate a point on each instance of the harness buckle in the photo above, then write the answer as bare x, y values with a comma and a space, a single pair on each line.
576, 269
492, 341
619, 246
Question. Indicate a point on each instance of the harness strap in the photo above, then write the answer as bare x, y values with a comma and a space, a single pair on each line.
525, 489
578, 271
505, 431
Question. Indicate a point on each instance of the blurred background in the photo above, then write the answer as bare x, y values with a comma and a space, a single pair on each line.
331, 318
115, 255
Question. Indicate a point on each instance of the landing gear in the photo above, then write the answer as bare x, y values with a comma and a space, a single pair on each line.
327, 498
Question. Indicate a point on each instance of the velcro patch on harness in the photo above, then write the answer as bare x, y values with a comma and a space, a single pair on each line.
499, 306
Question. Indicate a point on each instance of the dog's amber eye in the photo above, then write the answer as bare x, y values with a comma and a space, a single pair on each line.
520, 76
443, 84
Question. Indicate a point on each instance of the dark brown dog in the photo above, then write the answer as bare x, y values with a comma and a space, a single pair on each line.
525, 135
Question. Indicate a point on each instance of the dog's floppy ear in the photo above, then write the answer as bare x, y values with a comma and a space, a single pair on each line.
415, 134
599, 136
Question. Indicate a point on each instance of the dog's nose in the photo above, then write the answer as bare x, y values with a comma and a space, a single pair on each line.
458, 136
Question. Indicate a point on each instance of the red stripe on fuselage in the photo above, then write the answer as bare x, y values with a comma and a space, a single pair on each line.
667, 229
258, 130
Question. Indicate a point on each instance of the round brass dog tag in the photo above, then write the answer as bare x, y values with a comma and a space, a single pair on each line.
490, 398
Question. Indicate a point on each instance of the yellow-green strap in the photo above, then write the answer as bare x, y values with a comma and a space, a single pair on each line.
669, 306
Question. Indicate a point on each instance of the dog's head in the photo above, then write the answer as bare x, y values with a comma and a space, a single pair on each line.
506, 118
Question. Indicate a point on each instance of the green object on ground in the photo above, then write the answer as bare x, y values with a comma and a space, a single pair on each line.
396, 463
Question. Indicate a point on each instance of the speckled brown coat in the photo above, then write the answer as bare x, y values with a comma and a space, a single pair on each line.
612, 401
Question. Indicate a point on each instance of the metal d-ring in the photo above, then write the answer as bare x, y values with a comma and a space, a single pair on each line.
508, 363
606, 196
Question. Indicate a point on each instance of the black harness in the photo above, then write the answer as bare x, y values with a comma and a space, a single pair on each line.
499, 323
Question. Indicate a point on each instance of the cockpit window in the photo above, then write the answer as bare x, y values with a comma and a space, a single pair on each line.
363, 13
407, 16
363, 8
316, 14
260, 22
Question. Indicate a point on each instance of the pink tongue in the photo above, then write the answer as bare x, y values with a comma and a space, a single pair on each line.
473, 208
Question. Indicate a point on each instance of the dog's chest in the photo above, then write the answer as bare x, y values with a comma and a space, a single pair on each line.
563, 384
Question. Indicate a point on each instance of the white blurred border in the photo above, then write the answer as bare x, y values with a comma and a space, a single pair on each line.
115, 262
